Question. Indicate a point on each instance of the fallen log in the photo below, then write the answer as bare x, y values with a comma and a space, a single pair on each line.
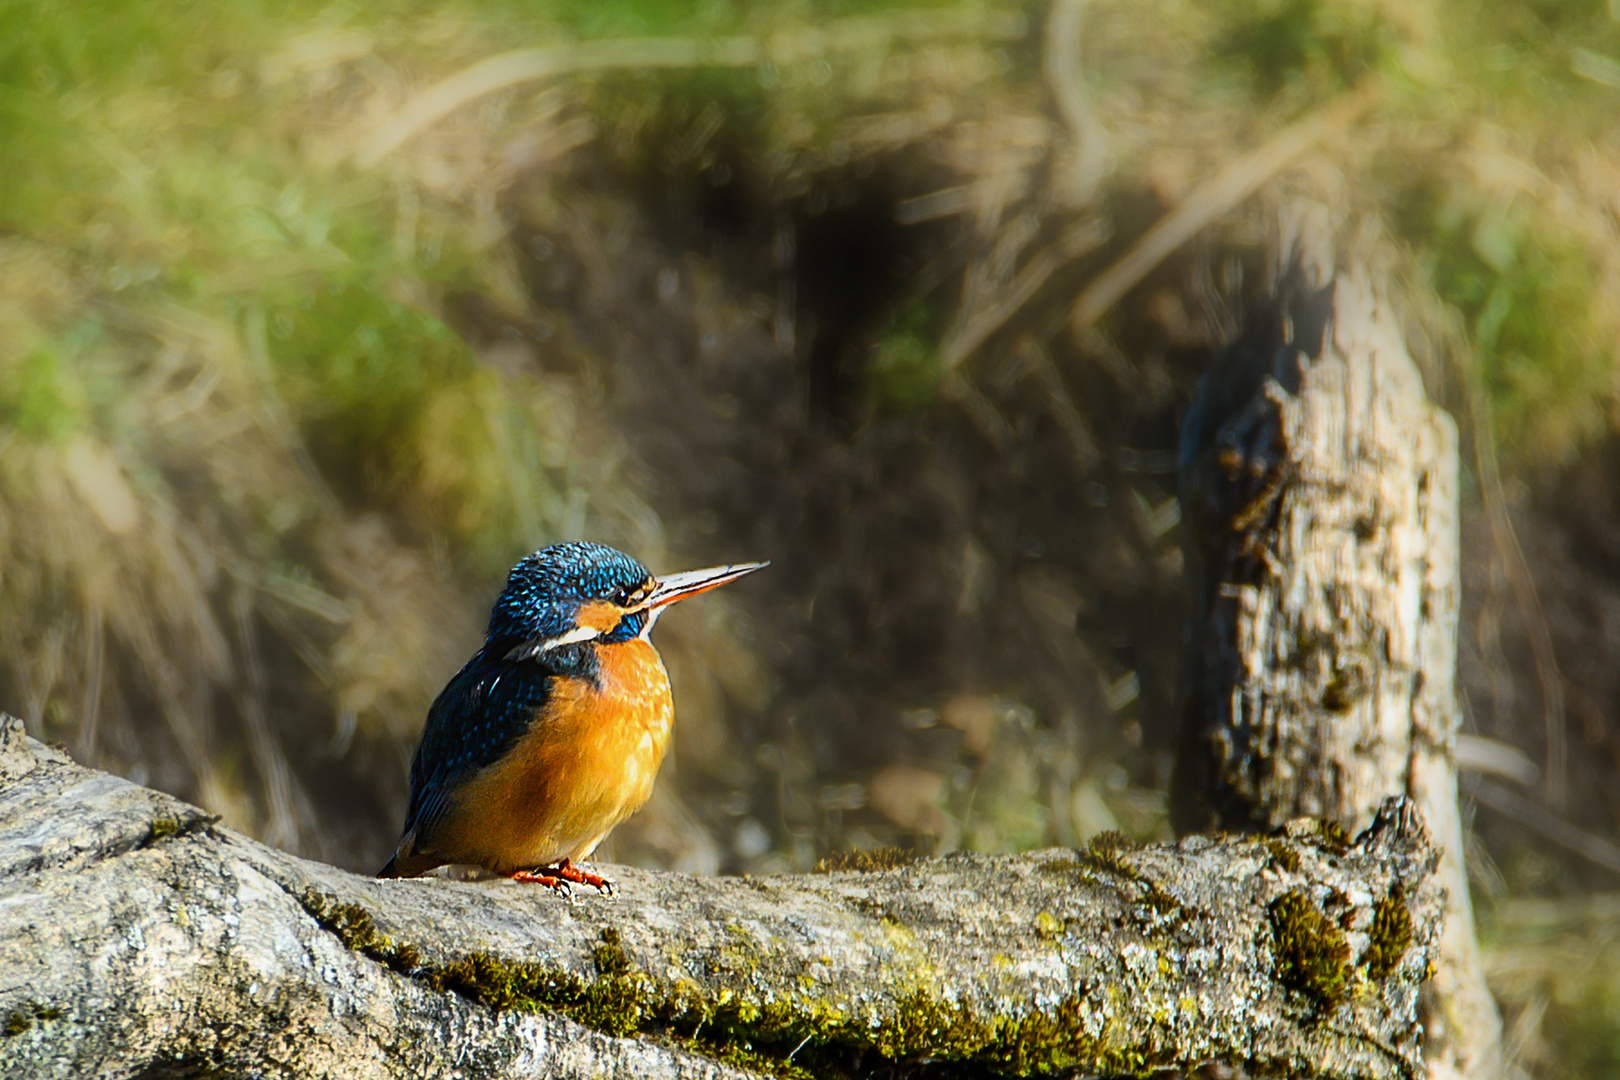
138, 937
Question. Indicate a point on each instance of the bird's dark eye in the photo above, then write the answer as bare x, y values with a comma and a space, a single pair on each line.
631, 595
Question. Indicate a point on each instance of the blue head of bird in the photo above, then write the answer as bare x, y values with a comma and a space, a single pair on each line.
579, 592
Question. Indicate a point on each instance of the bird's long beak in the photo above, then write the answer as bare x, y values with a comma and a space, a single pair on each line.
673, 587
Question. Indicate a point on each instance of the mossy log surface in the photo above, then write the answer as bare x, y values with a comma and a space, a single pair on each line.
138, 938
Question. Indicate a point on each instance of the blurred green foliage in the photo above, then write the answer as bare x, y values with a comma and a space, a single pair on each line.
904, 370
1526, 289
1476, 98
1551, 963
131, 134
1587, 1030
359, 367
1318, 46
43, 396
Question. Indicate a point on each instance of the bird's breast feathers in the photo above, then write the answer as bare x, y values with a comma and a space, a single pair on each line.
587, 762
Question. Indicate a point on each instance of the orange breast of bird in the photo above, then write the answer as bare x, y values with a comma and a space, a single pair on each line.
587, 762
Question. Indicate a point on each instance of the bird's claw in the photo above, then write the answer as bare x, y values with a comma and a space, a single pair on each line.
556, 884
569, 872
562, 877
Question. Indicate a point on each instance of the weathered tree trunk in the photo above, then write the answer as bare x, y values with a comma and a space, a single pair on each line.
139, 939
1319, 490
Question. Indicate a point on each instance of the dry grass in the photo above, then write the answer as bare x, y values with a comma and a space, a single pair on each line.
1551, 963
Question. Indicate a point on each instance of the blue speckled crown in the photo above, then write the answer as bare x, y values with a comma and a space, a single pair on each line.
544, 590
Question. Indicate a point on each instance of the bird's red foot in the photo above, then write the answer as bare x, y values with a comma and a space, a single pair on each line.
579, 875
550, 881
559, 876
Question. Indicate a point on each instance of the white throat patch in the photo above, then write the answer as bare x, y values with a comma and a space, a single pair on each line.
530, 649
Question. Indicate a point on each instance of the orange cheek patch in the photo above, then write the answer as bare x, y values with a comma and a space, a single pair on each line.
600, 615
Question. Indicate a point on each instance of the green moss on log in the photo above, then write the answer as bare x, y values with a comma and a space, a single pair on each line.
169, 826
1106, 852
355, 927
866, 862
1332, 837
1391, 936
1312, 954
1283, 857
794, 1038
21, 1020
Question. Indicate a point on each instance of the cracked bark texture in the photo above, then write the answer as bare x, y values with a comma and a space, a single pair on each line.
138, 939
1319, 493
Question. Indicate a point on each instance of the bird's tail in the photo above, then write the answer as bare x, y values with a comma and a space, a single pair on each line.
408, 864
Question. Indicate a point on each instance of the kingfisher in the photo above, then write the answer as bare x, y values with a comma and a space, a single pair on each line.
552, 734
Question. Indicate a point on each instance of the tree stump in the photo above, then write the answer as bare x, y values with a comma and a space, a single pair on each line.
1319, 494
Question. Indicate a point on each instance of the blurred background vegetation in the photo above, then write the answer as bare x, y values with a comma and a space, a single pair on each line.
314, 319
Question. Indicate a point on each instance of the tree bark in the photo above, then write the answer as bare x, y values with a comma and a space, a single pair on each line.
139, 939
1319, 492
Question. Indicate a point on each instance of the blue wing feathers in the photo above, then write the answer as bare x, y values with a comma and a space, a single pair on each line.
474, 722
